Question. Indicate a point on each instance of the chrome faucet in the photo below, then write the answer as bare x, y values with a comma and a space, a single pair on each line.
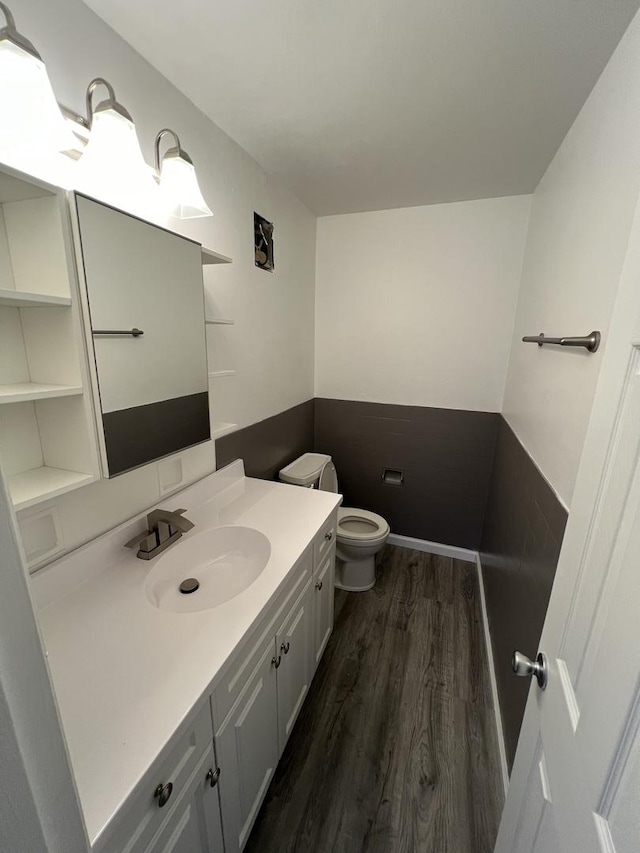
165, 526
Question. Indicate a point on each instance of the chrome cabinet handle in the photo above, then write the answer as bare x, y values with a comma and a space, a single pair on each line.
524, 666
319, 586
329, 536
162, 793
276, 661
285, 648
213, 776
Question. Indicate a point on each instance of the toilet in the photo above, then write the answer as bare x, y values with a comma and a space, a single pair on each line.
360, 533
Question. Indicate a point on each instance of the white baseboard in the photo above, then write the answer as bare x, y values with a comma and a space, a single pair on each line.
492, 677
433, 547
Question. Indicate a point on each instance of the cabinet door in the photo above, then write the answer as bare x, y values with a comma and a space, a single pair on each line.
194, 825
247, 748
323, 606
294, 643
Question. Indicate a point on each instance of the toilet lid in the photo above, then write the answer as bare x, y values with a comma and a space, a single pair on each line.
328, 481
359, 525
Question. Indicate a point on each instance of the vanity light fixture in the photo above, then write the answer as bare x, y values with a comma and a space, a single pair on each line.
178, 181
112, 165
31, 118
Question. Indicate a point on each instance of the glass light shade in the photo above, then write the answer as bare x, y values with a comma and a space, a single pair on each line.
31, 119
179, 189
112, 166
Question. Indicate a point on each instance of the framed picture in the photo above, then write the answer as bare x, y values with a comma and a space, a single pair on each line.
263, 242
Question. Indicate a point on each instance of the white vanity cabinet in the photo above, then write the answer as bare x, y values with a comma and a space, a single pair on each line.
194, 825
203, 791
252, 737
324, 560
175, 804
294, 645
247, 745
323, 606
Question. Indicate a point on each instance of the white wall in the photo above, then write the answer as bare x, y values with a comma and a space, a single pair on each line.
579, 228
271, 345
416, 306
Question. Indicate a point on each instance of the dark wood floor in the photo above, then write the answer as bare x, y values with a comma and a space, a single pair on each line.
395, 748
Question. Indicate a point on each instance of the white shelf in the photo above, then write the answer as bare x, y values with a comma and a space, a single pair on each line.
216, 374
219, 321
38, 484
219, 429
211, 257
22, 392
20, 299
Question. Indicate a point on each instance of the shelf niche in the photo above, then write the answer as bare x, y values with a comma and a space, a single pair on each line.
47, 442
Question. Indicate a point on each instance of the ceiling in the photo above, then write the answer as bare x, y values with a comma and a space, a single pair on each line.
372, 104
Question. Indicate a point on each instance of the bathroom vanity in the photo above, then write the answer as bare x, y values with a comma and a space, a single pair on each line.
176, 714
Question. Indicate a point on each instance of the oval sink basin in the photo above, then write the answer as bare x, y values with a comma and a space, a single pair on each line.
223, 562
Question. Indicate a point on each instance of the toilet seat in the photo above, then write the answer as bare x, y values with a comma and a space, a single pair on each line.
360, 526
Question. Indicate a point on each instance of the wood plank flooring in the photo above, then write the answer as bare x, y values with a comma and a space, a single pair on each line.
395, 749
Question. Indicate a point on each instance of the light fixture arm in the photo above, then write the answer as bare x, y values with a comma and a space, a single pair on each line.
10, 33
109, 104
166, 131
10, 20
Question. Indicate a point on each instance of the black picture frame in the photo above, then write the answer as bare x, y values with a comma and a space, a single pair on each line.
263, 242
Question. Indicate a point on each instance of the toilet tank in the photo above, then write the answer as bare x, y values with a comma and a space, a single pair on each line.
305, 470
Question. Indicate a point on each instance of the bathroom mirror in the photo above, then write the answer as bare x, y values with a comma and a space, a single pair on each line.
144, 321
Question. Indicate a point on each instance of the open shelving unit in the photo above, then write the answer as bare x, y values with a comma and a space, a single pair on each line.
22, 392
31, 487
218, 352
220, 428
219, 321
218, 374
14, 299
47, 435
211, 257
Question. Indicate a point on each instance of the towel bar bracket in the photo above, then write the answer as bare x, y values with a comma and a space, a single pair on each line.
590, 342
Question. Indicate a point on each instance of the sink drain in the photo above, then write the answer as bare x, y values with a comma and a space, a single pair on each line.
189, 585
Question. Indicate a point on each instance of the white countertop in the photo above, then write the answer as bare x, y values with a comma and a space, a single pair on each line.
125, 673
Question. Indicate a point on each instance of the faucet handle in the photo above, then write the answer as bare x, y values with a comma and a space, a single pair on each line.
147, 541
173, 518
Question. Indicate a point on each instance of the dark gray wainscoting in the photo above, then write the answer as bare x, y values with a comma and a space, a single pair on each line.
523, 532
446, 456
269, 445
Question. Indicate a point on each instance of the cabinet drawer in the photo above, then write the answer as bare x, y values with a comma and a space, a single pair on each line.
242, 667
324, 541
142, 814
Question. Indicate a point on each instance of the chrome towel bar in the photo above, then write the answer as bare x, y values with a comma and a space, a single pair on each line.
134, 333
590, 342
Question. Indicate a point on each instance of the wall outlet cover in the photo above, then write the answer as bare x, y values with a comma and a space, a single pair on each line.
170, 474
41, 533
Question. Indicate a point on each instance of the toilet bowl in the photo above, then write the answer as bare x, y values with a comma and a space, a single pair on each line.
360, 534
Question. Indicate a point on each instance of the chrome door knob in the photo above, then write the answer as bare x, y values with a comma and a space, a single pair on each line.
523, 666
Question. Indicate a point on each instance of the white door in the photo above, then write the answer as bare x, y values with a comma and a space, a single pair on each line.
575, 785
294, 643
247, 749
